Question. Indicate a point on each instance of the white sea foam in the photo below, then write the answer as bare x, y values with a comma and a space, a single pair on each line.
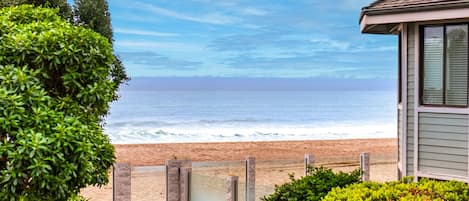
148, 134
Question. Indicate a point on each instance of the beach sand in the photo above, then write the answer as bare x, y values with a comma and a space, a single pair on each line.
274, 161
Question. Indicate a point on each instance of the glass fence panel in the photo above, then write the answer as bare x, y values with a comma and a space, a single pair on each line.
148, 183
208, 181
276, 172
94, 193
383, 167
339, 163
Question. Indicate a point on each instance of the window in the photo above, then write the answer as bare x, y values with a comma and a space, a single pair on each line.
444, 67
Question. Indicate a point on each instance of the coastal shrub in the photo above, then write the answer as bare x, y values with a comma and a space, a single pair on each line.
74, 62
91, 14
315, 186
55, 90
402, 190
64, 9
95, 15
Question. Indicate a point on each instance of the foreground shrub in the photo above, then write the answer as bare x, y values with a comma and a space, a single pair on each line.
312, 187
55, 88
402, 190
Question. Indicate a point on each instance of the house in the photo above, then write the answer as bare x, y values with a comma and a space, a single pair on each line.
433, 83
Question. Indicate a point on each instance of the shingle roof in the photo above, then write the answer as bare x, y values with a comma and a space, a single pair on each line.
400, 5
387, 4
393, 8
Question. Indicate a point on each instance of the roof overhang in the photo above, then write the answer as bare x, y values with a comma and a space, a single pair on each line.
386, 21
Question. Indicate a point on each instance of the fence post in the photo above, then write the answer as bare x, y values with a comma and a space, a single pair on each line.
250, 178
185, 181
232, 188
365, 166
309, 162
121, 184
172, 180
175, 185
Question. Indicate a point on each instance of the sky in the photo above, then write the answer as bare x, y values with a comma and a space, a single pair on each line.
250, 39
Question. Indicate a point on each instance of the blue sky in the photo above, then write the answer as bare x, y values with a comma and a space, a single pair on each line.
218, 38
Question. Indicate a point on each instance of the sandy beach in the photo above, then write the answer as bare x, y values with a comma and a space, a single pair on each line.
275, 160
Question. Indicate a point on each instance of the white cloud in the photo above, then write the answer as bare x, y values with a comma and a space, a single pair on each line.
125, 45
375, 49
332, 44
211, 18
235, 6
353, 5
252, 26
144, 32
253, 11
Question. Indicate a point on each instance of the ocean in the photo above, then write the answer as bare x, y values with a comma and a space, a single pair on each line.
154, 116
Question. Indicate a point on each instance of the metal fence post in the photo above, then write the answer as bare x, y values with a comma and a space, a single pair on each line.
309, 162
232, 188
250, 178
121, 184
185, 181
172, 180
365, 166
176, 182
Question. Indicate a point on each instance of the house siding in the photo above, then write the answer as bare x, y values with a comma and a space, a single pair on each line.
432, 139
442, 137
400, 132
410, 97
443, 143
400, 117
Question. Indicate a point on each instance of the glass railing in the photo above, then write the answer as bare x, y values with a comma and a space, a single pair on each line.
148, 183
94, 193
276, 172
382, 166
208, 180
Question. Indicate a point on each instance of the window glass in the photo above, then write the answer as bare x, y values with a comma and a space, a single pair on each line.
433, 65
456, 65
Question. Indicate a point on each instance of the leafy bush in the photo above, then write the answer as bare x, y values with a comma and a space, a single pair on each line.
74, 62
64, 9
402, 190
92, 14
54, 90
313, 187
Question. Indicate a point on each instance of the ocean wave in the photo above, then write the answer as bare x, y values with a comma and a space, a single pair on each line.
246, 120
149, 134
140, 123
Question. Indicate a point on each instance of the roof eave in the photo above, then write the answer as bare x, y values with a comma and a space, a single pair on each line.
414, 8
368, 22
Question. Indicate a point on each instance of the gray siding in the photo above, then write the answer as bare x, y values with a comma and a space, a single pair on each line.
443, 143
399, 133
410, 97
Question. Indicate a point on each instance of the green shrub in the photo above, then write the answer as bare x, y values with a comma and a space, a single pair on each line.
64, 9
74, 62
402, 190
55, 88
312, 187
